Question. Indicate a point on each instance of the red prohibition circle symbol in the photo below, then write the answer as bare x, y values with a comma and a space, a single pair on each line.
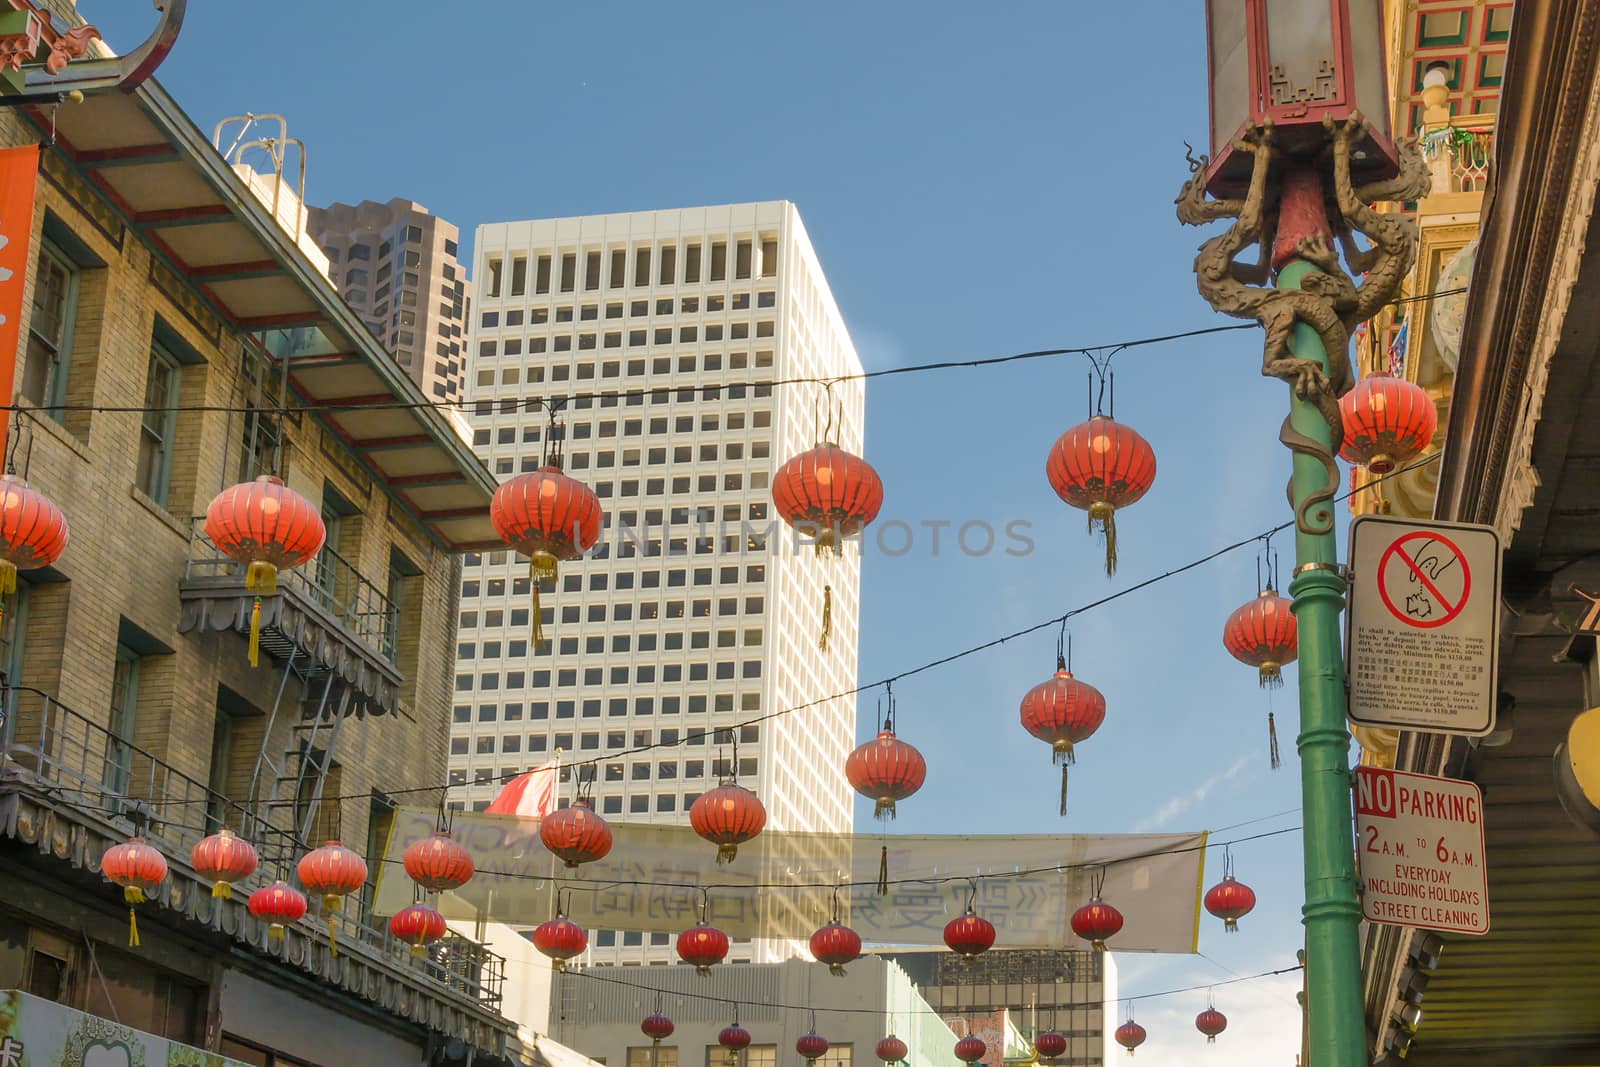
1425, 607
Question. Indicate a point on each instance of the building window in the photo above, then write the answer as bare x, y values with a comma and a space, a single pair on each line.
649, 1056
158, 423
55, 297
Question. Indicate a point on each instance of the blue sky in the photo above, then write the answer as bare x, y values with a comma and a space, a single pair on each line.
978, 180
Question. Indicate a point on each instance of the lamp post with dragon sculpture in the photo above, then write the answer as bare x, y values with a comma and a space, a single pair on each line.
1300, 152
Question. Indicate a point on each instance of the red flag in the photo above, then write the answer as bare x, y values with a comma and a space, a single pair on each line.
531, 794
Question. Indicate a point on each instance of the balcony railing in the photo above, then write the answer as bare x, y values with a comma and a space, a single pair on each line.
1460, 154
328, 583
104, 775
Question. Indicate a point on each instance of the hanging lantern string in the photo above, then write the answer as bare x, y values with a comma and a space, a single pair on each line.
1064, 648
888, 690
593, 974
942, 661
1101, 379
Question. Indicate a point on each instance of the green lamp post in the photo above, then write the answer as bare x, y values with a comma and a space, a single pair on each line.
1300, 149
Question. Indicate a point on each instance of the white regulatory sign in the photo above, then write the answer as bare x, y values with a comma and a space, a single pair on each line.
1421, 851
1423, 624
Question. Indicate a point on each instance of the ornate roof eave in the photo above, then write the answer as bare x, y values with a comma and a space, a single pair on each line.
57, 831
64, 70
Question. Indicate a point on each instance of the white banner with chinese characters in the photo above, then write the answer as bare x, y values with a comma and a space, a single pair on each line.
781, 886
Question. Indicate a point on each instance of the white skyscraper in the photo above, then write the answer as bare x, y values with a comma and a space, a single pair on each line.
696, 612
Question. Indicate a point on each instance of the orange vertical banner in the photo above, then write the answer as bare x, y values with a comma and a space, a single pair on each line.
19, 176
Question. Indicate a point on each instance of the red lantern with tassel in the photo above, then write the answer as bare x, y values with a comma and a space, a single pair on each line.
418, 926
1388, 422
1262, 633
1230, 899
561, 939
438, 864
885, 769
1211, 1022
891, 1050
138, 868
1096, 922
33, 532
1049, 1045
268, 527
727, 816
702, 946
1101, 466
969, 934
836, 945
811, 1046
547, 516
970, 1049
830, 494
1130, 1035
656, 1026
1063, 712
576, 834
331, 872
223, 859
277, 905
734, 1037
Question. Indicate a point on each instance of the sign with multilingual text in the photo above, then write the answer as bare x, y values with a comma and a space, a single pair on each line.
1420, 851
1423, 624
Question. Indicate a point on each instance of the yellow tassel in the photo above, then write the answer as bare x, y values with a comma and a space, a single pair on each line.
255, 633
538, 617
275, 934
8, 577
333, 945
222, 891
1105, 516
418, 950
727, 853
883, 872
1272, 739
261, 578
133, 930
827, 618
132, 894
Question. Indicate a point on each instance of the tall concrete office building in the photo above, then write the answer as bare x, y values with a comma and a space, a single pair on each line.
696, 611
396, 265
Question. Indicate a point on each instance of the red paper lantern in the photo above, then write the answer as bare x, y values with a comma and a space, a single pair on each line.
811, 1046
33, 532
727, 816
1100, 466
548, 517
1049, 1045
138, 869
223, 859
656, 1027
891, 1049
885, 770
969, 934
827, 493
970, 1049
1130, 1035
1062, 712
577, 834
1387, 423
1230, 900
835, 945
418, 926
438, 863
277, 905
1263, 634
561, 939
268, 527
703, 946
1095, 922
331, 872
1211, 1022
734, 1037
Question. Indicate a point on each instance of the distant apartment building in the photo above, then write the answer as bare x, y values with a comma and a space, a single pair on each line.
695, 612
396, 266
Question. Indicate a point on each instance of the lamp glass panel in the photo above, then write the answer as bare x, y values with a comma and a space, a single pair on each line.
1230, 71
1366, 45
1301, 63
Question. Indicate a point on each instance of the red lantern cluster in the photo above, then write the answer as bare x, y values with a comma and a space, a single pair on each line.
1387, 423
277, 905
891, 1049
656, 1027
1063, 712
577, 834
702, 946
1130, 1035
268, 527
836, 945
1263, 634
561, 939
1097, 922
438, 864
811, 1046
33, 532
223, 859
970, 1049
1230, 900
418, 926
548, 517
1101, 466
1211, 1022
727, 816
969, 934
885, 770
1049, 1045
138, 868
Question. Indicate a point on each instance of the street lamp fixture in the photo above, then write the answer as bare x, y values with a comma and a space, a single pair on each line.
1436, 83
